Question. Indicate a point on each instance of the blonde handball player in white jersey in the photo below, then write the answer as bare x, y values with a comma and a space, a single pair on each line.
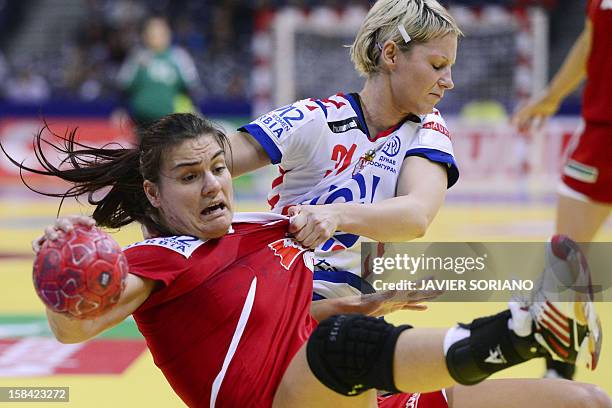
381, 158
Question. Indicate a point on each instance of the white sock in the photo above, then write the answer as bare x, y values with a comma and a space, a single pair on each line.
453, 335
521, 321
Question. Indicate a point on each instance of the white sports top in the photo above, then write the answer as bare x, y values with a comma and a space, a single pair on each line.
325, 155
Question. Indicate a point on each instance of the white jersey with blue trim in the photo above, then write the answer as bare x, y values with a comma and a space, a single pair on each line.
326, 155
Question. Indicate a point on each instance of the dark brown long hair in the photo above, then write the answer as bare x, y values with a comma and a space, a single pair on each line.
112, 178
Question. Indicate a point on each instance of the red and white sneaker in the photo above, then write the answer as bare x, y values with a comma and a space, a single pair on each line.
562, 305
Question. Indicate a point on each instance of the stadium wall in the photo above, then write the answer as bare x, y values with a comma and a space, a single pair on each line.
494, 160
19, 122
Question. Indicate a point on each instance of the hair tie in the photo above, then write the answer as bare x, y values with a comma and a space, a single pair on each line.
404, 34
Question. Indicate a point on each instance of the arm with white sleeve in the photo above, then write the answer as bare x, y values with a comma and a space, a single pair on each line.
282, 136
421, 190
290, 135
427, 171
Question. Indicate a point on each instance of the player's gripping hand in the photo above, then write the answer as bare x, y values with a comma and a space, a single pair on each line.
374, 304
531, 116
62, 225
312, 225
386, 302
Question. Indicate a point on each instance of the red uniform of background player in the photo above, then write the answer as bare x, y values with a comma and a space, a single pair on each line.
589, 168
585, 192
210, 326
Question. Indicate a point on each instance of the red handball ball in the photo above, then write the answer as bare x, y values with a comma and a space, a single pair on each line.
81, 274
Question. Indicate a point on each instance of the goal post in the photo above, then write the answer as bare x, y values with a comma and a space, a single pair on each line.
503, 56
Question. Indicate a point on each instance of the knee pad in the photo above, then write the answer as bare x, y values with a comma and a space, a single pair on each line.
351, 354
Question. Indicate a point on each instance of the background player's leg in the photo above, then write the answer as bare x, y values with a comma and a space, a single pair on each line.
580, 220
520, 393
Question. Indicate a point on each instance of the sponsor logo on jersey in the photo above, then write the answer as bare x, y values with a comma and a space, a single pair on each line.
287, 250
383, 162
364, 160
184, 245
393, 146
438, 127
345, 125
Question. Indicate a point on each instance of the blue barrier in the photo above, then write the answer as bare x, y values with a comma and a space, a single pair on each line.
103, 108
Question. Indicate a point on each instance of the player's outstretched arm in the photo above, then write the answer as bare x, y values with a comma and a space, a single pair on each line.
533, 114
374, 304
246, 154
70, 330
420, 193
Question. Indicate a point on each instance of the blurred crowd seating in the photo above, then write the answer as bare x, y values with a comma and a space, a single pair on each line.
216, 33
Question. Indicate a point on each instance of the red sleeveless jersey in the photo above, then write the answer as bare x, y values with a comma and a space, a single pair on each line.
598, 90
230, 313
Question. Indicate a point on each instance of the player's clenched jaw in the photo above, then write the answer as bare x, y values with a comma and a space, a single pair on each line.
420, 76
194, 194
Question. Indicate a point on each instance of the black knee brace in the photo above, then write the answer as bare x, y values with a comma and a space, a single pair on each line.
354, 353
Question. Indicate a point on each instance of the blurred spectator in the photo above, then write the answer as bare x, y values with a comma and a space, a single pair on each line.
158, 78
122, 12
3, 69
227, 65
27, 87
217, 34
189, 36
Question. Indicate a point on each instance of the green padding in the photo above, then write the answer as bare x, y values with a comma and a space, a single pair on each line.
15, 326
